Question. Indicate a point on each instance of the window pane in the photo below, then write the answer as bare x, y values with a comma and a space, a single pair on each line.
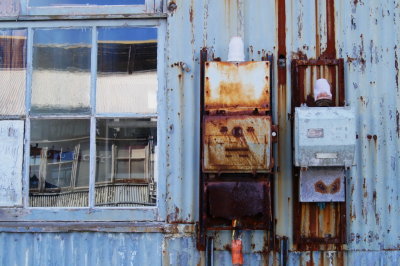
127, 70
61, 71
59, 163
12, 71
125, 162
37, 3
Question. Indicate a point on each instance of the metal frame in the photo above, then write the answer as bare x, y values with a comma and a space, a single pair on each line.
150, 6
299, 98
206, 222
92, 213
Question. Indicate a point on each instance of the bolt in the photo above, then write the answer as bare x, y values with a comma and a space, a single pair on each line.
237, 132
282, 62
185, 67
172, 6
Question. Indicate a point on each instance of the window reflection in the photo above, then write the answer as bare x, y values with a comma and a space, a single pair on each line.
61, 71
12, 71
125, 162
127, 70
59, 163
37, 3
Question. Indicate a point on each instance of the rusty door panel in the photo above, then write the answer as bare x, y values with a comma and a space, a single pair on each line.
237, 87
237, 144
239, 200
320, 224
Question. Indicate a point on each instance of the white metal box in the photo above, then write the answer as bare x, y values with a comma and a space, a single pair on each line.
324, 136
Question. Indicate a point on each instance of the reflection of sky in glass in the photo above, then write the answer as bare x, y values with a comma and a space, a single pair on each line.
63, 37
127, 34
61, 70
37, 3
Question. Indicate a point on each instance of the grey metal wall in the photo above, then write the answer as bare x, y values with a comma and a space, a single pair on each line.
367, 37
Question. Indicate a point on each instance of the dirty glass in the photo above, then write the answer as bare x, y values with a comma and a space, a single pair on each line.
12, 71
61, 71
43, 3
125, 162
59, 163
127, 70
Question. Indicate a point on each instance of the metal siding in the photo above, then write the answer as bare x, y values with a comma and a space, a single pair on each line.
369, 39
367, 36
80, 249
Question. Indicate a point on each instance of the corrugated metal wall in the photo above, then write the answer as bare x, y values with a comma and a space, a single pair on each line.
367, 37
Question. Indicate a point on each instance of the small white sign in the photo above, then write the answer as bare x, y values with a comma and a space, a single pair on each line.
11, 158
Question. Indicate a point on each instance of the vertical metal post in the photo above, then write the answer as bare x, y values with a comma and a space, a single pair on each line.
210, 251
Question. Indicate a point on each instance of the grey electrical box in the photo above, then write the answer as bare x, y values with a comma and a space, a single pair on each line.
324, 136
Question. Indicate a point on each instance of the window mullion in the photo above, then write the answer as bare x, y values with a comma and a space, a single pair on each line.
93, 69
29, 58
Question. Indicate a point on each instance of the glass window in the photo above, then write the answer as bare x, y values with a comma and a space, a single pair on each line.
87, 134
127, 70
61, 71
125, 162
43, 3
59, 163
12, 71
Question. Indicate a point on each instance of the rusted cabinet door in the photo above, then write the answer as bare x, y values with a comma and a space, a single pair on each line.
237, 87
237, 144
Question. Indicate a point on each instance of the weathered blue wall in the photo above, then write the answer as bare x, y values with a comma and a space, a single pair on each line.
367, 37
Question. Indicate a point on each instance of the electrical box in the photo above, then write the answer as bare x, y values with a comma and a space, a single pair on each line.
324, 136
237, 133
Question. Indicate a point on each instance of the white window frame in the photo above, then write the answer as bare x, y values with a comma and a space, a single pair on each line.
91, 213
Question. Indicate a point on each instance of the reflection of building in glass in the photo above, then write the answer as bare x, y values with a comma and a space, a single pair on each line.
126, 160
59, 166
12, 52
12, 72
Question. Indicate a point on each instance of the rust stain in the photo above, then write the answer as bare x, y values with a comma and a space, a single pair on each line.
191, 14
396, 65
330, 51
361, 58
332, 188
398, 123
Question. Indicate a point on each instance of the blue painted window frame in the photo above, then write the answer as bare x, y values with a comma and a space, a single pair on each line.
93, 214
150, 6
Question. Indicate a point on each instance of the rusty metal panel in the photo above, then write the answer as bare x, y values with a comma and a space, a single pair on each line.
322, 185
237, 87
237, 143
233, 200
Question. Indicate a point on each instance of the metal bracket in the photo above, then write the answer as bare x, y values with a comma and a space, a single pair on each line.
274, 133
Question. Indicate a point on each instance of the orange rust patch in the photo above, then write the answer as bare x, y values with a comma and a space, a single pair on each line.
333, 188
